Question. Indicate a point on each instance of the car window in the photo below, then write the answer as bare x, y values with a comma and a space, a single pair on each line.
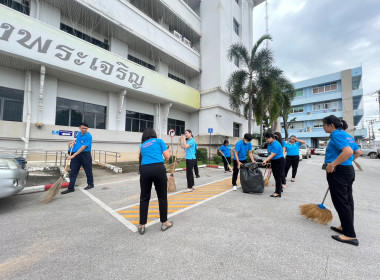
8, 164
302, 147
264, 146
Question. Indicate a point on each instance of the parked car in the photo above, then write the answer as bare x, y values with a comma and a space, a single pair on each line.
320, 151
367, 151
262, 153
305, 151
12, 176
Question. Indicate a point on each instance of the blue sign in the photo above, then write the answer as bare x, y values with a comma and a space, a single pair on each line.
210, 130
76, 135
54, 132
65, 133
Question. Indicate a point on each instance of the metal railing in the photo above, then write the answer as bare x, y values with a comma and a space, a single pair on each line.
101, 154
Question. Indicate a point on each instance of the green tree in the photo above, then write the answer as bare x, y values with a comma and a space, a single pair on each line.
245, 84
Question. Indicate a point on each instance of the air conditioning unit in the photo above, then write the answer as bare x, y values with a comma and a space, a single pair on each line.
309, 129
187, 42
308, 113
334, 110
177, 35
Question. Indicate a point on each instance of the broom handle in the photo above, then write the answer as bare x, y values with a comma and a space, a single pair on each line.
323, 201
175, 157
229, 167
67, 162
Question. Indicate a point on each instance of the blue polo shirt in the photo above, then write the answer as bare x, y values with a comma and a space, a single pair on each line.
83, 140
242, 149
190, 152
340, 139
226, 150
151, 151
292, 149
276, 148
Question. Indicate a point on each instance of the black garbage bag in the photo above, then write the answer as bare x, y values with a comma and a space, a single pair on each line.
251, 178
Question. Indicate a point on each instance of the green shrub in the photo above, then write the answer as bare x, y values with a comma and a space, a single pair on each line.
202, 155
217, 159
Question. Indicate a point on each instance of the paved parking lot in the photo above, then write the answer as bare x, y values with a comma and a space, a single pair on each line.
231, 236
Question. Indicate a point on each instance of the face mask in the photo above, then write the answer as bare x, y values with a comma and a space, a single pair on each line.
246, 142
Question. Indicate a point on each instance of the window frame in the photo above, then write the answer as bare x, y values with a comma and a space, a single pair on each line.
176, 78
15, 100
22, 8
236, 26
141, 62
298, 91
293, 109
142, 117
236, 129
177, 124
325, 88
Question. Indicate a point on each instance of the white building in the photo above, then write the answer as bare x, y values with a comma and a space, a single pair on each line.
120, 66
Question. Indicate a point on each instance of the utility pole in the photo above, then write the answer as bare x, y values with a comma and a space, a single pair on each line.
377, 93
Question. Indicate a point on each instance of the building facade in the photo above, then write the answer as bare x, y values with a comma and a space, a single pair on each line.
120, 66
338, 94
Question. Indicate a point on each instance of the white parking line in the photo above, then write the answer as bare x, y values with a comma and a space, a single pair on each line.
117, 182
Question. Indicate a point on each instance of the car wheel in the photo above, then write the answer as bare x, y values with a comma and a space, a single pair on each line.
372, 155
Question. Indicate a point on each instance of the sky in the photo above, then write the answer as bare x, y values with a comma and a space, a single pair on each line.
312, 38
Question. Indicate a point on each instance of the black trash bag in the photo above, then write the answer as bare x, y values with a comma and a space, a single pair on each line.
251, 178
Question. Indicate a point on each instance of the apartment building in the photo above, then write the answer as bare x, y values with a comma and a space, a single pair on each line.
338, 94
120, 66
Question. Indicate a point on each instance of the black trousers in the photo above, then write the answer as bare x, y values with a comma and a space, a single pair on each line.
153, 173
196, 170
278, 169
236, 171
83, 159
189, 172
226, 161
292, 161
340, 183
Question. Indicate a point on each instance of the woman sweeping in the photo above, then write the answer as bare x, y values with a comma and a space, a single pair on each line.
277, 161
225, 150
292, 149
278, 137
153, 171
340, 153
188, 143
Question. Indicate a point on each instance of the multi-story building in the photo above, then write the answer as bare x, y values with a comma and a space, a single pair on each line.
338, 94
120, 66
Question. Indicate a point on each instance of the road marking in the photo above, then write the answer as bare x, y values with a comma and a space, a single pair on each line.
125, 222
117, 182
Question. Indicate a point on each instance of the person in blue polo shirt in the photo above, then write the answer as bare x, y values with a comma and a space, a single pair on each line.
153, 150
340, 152
81, 156
276, 158
188, 143
292, 149
240, 156
196, 169
225, 150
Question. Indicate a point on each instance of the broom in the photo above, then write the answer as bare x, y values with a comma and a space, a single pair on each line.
53, 191
229, 166
171, 184
266, 181
317, 212
358, 166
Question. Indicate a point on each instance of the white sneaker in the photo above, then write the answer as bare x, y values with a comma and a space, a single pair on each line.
189, 190
234, 188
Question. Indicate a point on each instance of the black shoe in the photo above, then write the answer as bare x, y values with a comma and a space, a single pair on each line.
68, 191
354, 242
141, 230
197, 176
89, 187
273, 195
337, 230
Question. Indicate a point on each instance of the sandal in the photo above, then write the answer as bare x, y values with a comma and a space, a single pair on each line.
292, 180
141, 229
165, 227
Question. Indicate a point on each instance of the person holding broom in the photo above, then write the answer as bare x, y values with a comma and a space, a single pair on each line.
225, 150
278, 137
292, 149
153, 171
240, 156
277, 161
340, 153
81, 156
188, 143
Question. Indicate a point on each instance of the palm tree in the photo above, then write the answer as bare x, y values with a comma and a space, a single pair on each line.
288, 94
244, 84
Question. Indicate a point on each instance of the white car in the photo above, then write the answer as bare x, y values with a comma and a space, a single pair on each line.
12, 176
305, 151
320, 151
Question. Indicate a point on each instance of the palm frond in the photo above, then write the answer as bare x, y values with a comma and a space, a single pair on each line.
240, 52
236, 87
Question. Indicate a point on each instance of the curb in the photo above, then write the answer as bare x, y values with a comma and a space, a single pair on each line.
199, 166
41, 188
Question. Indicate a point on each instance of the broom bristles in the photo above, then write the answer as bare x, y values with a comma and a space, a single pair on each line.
358, 166
266, 182
52, 192
316, 213
171, 184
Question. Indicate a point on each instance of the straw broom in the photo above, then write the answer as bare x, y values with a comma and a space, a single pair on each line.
358, 166
266, 181
317, 212
229, 166
171, 184
53, 191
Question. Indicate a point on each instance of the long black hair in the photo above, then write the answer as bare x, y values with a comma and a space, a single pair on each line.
278, 137
147, 134
188, 130
336, 122
225, 142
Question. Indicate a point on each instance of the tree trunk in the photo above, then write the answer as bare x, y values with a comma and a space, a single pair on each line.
277, 125
261, 133
250, 114
285, 119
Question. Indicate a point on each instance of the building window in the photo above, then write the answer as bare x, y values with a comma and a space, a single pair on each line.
296, 125
333, 105
236, 61
137, 122
19, 5
11, 104
318, 123
237, 1
178, 79
325, 88
177, 125
236, 129
73, 113
236, 26
299, 93
297, 109
141, 62
85, 37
